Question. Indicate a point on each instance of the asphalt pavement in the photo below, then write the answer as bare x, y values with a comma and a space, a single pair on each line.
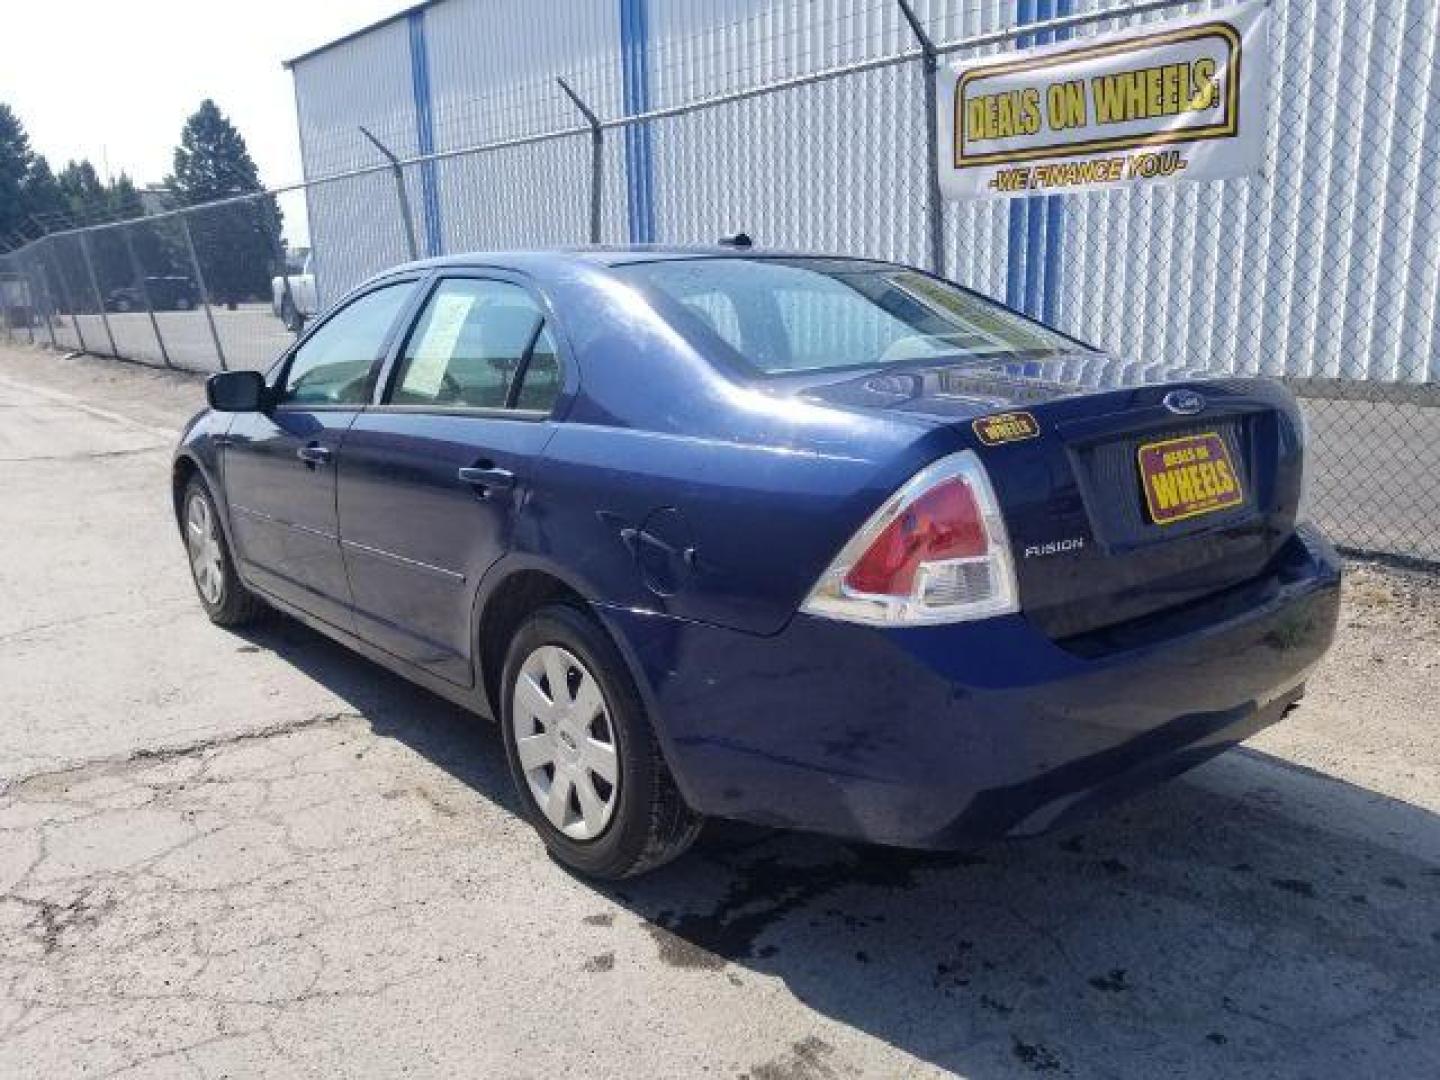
256, 854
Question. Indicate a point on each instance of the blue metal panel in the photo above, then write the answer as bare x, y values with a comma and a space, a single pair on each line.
1018, 235
1035, 209
639, 169
1055, 214
1037, 222
425, 131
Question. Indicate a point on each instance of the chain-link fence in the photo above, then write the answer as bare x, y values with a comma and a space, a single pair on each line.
1324, 269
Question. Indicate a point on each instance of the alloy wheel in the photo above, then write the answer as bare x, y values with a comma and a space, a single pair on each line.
565, 742
203, 543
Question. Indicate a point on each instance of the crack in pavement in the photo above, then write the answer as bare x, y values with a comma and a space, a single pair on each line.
154, 606
85, 456
14, 785
235, 896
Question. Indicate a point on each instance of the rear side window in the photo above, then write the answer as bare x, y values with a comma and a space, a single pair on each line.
785, 315
333, 366
482, 345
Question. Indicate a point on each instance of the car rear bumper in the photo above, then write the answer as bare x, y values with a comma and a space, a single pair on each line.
943, 736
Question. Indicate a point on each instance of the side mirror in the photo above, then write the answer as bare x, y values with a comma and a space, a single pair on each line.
236, 391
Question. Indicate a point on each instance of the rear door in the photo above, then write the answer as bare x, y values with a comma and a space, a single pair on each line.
433, 474
279, 465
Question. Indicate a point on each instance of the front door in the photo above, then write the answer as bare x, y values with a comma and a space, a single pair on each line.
279, 465
431, 478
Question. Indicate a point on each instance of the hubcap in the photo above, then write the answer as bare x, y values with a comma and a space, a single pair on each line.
565, 742
203, 543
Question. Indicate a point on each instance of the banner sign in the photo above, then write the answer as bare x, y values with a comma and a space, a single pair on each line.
1179, 100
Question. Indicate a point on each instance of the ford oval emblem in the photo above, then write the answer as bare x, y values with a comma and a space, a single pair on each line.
1184, 402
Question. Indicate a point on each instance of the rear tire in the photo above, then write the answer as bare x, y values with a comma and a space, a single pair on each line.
610, 807
223, 595
290, 316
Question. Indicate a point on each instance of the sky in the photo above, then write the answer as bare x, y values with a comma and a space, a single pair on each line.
115, 80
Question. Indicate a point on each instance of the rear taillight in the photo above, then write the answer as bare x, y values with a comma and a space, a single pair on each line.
935, 552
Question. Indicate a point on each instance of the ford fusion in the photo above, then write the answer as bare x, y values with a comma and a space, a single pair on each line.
819, 543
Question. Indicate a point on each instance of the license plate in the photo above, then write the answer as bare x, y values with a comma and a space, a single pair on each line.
1187, 477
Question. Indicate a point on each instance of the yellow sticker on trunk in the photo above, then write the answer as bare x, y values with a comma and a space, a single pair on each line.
1007, 427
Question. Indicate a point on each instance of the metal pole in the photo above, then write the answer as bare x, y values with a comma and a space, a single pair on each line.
203, 288
30, 295
70, 303
139, 272
934, 207
49, 299
7, 276
95, 288
597, 156
400, 193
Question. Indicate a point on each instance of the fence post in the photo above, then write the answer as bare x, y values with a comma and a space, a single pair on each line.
204, 289
400, 193
597, 156
70, 303
6, 277
934, 207
95, 288
139, 272
30, 294
49, 299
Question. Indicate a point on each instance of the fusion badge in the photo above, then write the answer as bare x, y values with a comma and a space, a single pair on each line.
1186, 477
1007, 427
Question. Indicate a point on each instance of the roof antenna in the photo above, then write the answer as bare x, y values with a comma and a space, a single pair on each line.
739, 240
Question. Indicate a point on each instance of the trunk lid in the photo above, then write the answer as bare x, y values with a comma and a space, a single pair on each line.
1117, 505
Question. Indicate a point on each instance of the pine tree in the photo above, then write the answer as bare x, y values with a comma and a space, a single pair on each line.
42, 197
85, 196
15, 159
237, 243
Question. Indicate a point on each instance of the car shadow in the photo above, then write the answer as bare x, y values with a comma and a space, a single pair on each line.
1253, 917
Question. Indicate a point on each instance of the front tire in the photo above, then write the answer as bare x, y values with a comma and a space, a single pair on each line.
582, 753
226, 600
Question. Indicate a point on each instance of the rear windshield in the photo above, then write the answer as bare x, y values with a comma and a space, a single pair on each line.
783, 316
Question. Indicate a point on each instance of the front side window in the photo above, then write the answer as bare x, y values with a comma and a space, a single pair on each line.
784, 316
479, 344
333, 365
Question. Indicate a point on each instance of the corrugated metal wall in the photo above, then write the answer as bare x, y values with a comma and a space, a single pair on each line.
1326, 265
364, 82
470, 71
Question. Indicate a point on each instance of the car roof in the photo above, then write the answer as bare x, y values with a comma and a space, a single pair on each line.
602, 255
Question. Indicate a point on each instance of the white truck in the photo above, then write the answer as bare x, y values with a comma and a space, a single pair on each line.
293, 306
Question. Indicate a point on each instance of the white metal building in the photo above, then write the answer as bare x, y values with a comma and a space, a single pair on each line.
1327, 265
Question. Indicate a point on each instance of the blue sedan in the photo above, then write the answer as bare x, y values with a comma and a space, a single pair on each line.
821, 543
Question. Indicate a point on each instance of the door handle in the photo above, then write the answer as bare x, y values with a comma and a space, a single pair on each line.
313, 454
487, 477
